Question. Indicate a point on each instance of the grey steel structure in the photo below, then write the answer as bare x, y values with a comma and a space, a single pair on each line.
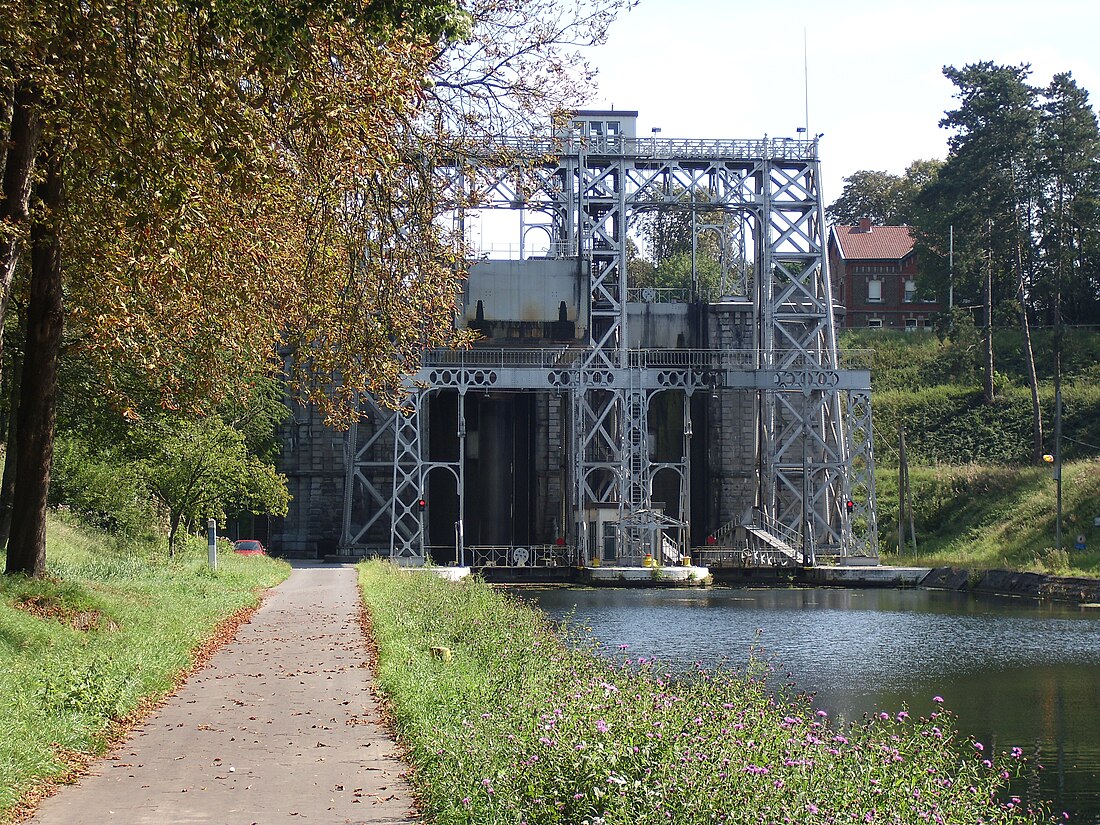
811, 460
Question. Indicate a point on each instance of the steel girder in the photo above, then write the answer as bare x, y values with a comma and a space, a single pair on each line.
814, 433
385, 480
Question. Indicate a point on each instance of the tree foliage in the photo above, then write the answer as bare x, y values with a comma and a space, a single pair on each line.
1069, 218
886, 199
1018, 194
666, 235
202, 468
221, 182
522, 60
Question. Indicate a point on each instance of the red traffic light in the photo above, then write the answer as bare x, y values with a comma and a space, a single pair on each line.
421, 504
849, 505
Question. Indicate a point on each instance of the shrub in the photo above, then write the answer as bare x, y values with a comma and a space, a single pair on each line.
102, 489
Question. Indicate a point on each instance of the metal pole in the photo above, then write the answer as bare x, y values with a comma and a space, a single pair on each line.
951, 267
1058, 464
694, 276
212, 543
461, 478
901, 488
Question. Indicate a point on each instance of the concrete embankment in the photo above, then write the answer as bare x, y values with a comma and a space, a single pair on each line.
990, 582
1016, 583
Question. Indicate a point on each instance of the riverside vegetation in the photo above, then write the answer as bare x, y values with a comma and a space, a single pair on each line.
978, 501
106, 632
526, 723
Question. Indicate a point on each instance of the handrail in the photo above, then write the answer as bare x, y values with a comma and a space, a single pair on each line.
651, 148
531, 555
566, 357
743, 555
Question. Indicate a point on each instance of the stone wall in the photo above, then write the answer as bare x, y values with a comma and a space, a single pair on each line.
313, 461
732, 421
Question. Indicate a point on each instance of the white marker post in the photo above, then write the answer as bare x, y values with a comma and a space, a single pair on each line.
212, 542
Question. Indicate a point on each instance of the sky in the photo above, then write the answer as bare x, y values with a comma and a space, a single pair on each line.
876, 91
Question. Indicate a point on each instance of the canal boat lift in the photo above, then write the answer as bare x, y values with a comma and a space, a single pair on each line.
580, 431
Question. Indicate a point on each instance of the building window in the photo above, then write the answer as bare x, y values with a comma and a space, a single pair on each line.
874, 292
928, 325
910, 324
874, 323
910, 290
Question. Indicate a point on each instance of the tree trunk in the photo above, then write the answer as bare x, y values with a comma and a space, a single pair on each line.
989, 393
173, 531
38, 396
6, 105
7, 486
18, 175
1029, 362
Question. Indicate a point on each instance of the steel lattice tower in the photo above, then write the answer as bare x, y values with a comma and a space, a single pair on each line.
813, 459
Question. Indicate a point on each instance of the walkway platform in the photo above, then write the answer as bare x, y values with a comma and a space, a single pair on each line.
280, 727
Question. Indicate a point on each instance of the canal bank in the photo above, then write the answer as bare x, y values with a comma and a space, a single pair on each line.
1022, 584
1013, 672
515, 726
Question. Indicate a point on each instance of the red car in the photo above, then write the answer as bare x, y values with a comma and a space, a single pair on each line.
249, 547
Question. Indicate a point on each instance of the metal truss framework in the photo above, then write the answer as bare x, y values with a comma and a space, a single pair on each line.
813, 416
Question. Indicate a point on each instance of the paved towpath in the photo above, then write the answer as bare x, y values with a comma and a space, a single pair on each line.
279, 727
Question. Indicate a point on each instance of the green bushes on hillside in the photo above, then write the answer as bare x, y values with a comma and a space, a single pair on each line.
996, 516
912, 361
950, 424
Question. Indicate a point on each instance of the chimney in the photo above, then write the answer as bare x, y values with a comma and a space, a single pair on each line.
864, 224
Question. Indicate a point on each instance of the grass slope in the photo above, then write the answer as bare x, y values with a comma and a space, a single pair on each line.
996, 516
105, 631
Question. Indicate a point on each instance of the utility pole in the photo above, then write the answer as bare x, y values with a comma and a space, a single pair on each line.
1059, 331
905, 495
950, 268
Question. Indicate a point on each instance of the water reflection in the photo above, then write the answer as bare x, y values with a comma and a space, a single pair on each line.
1017, 673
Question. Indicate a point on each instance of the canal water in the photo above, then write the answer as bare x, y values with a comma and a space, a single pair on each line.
1015, 672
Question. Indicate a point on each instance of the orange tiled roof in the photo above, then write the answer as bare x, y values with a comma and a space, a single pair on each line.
881, 242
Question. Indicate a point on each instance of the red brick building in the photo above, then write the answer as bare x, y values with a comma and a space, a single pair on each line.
874, 276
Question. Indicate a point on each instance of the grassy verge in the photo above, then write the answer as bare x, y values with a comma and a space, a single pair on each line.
510, 724
986, 517
105, 632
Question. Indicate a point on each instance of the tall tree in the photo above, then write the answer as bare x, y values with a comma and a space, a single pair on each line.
240, 178
1070, 215
987, 191
197, 468
888, 200
869, 194
683, 231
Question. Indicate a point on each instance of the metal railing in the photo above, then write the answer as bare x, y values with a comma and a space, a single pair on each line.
532, 555
740, 556
653, 148
484, 357
564, 357
657, 295
773, 526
